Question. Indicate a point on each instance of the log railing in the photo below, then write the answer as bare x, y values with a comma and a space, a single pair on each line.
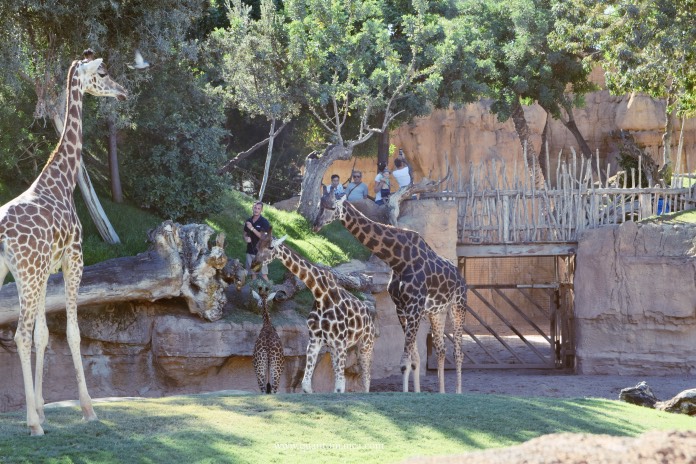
498, 205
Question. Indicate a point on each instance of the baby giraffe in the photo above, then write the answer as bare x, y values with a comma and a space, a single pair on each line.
268, 349
338, 319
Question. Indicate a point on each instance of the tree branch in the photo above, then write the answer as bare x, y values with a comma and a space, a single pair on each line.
231, 164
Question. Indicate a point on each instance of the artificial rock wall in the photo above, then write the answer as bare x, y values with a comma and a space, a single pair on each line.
473, 134
635, 300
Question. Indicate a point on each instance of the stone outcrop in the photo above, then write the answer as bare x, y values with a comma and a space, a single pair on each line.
684, 402
635, 299
155, 349
640, 395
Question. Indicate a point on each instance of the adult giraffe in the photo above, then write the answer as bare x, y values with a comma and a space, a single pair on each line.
40, 233
422, 284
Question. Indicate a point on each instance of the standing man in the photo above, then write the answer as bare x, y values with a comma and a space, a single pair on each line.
253, 228
356, 190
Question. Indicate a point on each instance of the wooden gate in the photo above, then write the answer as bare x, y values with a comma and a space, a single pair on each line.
519, 314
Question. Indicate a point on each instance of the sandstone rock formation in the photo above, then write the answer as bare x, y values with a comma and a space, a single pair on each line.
473, 134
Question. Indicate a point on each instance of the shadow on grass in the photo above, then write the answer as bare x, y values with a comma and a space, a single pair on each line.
377, 427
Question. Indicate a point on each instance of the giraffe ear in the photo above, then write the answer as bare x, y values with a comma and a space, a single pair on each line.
340, 201
92, 66
271, 296
256, 295
278, 241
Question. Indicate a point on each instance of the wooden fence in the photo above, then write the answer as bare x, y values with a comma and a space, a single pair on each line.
498, 205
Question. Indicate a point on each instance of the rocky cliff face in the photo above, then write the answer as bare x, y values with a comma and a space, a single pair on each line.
473, 134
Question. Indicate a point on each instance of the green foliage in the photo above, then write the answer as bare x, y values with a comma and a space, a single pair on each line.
318, 428
334, 245
175, 151
24, 143
507, 51
645, 46
356, 58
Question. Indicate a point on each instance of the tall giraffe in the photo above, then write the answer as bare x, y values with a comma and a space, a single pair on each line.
422, 284
268, 356
338, 319
40, 233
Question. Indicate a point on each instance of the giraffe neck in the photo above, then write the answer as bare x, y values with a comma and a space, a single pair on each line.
64, 163
379, 238
266, 315
312, 276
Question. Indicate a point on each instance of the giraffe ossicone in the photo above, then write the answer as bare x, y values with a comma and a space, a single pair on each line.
338, 320
423, 284
40, 232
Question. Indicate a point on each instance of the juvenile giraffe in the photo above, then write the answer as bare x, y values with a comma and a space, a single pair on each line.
268, 357
422, 284
338, 319
40, 233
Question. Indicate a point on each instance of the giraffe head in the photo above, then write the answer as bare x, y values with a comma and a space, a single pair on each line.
330, 209
95, 80
267, 250
263, 297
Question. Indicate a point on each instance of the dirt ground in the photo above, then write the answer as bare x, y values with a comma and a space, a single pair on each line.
547, 383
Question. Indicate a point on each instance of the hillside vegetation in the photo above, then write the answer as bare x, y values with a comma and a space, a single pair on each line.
332, 246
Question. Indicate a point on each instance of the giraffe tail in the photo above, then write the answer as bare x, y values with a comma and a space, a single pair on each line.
268, 387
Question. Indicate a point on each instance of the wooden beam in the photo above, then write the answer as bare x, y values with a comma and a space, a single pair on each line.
524, 249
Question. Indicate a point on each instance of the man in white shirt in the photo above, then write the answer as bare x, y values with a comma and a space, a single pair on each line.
400, 172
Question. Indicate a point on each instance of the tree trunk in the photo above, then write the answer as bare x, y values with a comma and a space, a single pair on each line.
315, 167
96, 212
269, 153
115, 177
667, 136
523, 134
181, 264
383, 147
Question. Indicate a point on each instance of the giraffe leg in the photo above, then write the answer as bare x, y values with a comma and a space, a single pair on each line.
40, 342
458, 313
365, 360
276, 371
338, 359
437, 325
72, 273
25, 327
312, 355
410, 359
260, 362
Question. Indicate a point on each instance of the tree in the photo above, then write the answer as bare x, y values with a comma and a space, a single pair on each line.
178, 147
509, 55
352, 67
645, 46
40, 39
255, 70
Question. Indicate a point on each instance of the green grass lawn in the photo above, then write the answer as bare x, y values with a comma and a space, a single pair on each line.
364, 428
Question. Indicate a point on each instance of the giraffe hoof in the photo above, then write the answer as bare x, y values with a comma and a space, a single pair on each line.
36, 431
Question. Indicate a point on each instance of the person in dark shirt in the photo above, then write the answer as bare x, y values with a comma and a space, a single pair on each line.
253, 228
